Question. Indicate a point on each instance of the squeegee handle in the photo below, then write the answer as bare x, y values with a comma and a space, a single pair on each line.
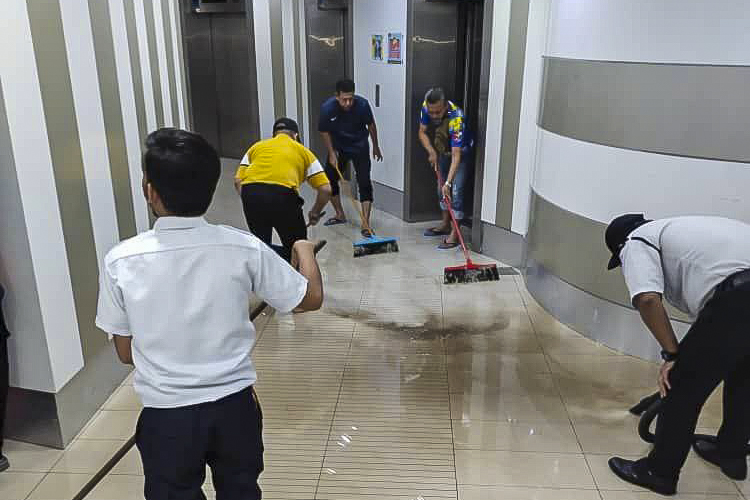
448, 204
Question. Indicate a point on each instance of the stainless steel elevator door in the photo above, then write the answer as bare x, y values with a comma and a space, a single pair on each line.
326, 62
236, 90
433, 64
222, 83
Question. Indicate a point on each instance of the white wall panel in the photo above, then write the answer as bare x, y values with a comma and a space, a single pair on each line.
600, 182
383, 17
686, 31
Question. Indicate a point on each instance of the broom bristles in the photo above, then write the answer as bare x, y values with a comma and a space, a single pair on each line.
473, 274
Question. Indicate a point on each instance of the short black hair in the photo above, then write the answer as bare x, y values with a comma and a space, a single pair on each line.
435, 95
345, 86
183, 168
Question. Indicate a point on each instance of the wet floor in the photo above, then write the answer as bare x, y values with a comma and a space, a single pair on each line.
405, 388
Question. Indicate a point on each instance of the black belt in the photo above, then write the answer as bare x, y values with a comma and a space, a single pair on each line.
737, 280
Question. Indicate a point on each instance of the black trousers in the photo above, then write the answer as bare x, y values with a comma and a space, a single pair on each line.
4, 376
268, 207
716, 349
362, 168
177, 444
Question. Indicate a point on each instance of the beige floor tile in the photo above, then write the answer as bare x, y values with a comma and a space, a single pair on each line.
59, 486
611, 370
509, 468
18, 485
646, 495
112, 425
744, 488
25, 457
511, 408
696, 477
130, 464
518, 493
488, 383
124, 398
510, 436
494, 365
118, 487
87, 455
611, 438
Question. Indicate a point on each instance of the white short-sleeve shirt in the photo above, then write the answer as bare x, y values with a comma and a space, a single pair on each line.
182, 291
685, 258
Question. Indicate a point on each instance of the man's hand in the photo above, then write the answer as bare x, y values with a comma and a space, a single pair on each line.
377, 154
433, 159
314, 218
333, 159
664, 384
447, 191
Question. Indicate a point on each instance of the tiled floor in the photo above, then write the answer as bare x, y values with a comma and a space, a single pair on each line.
404, 388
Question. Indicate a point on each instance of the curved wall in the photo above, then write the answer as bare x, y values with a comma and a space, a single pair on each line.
644, 108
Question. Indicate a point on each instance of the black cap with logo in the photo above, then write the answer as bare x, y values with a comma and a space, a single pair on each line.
285, 124
617, 234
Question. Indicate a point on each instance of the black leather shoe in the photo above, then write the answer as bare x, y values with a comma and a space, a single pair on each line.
639, 474
4, 464
707, 447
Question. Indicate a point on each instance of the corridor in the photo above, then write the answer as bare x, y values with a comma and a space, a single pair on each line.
407, 389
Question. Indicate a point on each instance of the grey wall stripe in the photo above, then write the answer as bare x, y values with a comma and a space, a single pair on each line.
165, 6
135, 67
67, 165
519, 24
277, 57
177, 6
298, 69
697, 111
153, 56
101, 24
572, 248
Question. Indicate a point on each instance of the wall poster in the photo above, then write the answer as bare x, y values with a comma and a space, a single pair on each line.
376, 48
395, 48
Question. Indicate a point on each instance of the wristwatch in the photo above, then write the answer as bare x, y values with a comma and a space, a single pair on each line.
669, 356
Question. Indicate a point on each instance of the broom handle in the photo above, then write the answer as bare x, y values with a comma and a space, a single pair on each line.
448, 204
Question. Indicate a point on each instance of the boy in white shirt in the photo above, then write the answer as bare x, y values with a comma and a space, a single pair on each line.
176, 300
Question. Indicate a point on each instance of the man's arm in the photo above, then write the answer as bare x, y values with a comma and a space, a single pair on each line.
655, 316
124, 348
431, 153
332, 159
376, 153
323, 197
455, 163
303, 258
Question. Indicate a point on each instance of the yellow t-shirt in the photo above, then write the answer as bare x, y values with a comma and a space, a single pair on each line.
281, 161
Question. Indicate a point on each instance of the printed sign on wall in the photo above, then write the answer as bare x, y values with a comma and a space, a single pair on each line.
376, 48
395, 48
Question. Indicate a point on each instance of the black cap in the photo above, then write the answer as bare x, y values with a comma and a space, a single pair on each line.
617, 234
285, 124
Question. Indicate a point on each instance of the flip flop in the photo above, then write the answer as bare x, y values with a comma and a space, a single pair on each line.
433, 232
368, 233
445, 245
333, 221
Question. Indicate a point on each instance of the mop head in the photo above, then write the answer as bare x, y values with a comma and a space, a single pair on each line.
375, 245
471, 273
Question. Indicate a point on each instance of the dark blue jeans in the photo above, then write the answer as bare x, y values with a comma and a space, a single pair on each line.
458, 196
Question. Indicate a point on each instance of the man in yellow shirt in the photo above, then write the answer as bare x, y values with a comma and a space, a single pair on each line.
268, 180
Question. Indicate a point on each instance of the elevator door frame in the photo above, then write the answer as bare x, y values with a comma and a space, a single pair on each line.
411, 136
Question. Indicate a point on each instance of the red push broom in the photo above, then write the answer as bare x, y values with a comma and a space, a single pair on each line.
470, 272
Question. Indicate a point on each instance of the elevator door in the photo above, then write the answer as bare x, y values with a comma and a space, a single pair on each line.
446, 52
327, 56
222, 82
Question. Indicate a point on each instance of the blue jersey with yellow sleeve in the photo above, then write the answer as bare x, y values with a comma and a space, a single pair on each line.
451, 131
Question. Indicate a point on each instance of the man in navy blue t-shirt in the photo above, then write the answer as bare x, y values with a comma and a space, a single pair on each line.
346, 124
